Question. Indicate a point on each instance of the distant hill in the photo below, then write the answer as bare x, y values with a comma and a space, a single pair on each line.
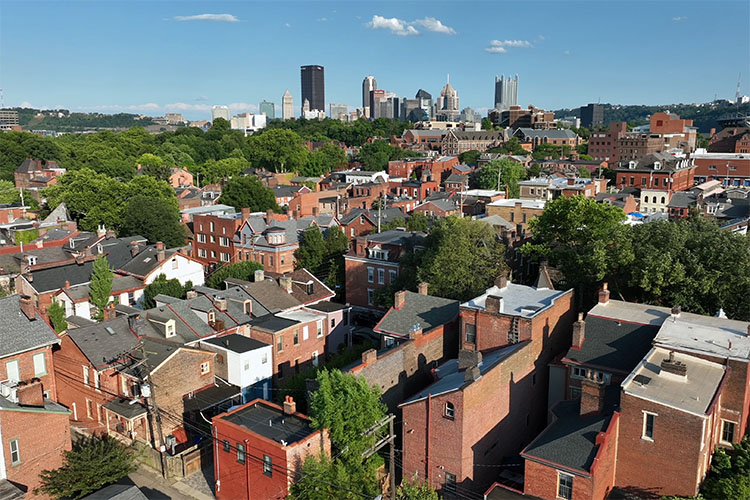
704, 116
62, 120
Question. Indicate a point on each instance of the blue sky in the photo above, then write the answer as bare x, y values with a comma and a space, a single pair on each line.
154, 57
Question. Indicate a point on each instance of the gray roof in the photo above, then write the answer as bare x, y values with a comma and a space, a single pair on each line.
54, 278
235, 297
117, 492
683, 199
9, 491
519, 300
124, 408
668, 162
18, 333
157, 350
236, 343
119, 283
445, 204
479, 135
397, 237
613, 344
268, 294
457, 178
328, 306
104, 342
118, 249
427, 133
256, 417
273, 323
550, 134
496, 220
145, 262
424, 310
208, 398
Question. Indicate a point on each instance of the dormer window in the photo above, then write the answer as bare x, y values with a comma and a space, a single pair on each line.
99, 248
211, 316
169, 329
31, 259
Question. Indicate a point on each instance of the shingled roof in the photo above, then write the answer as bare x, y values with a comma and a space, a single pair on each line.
18, 333
426, 311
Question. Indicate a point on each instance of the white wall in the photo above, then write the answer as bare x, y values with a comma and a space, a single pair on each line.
186, 270
245, 369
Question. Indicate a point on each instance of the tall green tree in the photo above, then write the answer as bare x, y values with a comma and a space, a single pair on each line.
248, 192
730, 473
93, 463
100, 287
163, 286
155, 219
8, 192
336, 242
323, 479
415, 491
57, 317
497, 174
312, 250
470, 157
324, 159
214, 171
278, 150
154, 166
244, 270
586, 240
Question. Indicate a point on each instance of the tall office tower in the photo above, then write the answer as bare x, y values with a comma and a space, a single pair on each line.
313, 87
592, 115
268, 109
8, 119
368, 85
506, 92
447, 103
425, 101
376, 96
220, 112
339, 111
287, 106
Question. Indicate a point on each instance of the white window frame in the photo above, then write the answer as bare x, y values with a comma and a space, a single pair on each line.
449, 411
86, 376
205, 367
721, 433
560, 476
8, 364
305, 332
646, 414
15, 449
319, 326
381, 276
370, 297
391, 276
575, 372
201, 238
202, 253
370, 274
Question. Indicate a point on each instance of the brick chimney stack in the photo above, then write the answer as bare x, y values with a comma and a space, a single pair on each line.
30, 393
579, 331
422, 288
399, 299
290, 407
604, 294
27, 307
592, 395
285, 282
258, 275
493, 304
501, 282
269, 216
468, 358
109, 312
245, 213
671, 365
160, 253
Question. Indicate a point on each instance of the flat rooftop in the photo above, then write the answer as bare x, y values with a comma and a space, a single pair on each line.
692, 393
721, 337
519, 300
533, 204
236, 343
270, 422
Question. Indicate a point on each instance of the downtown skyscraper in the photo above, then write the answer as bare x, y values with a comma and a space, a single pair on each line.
506, 92
368, 85
287, 106
313, 87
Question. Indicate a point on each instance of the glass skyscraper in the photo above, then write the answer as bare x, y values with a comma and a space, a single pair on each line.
313, 87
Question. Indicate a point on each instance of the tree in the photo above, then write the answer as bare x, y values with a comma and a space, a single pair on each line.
470, 157
585, 239
462, 258
336, 242
93, 463
729, 476
510, 172
244, 270
312, 250
214, 171
322, 479
510, 147
154, 166
248, 192
56, 313
324, 159
418, 222
100, 287
8, 192
487, 124
278, 150
376, 155
154, 219
583, 172
419, 490
163, 286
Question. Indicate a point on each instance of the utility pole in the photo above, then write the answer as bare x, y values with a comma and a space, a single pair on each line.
151, 398
390, 438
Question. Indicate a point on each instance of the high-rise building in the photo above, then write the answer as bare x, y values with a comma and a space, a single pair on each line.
447, 103
425, 101
468, 115
8, 119
220, 112
339, 111
267, 108
506, 92
376, 97
592, 115
368, 85
313, 87
287, 106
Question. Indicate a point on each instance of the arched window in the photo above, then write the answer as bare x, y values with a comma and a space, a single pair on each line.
450, 411
663, 200
645, 199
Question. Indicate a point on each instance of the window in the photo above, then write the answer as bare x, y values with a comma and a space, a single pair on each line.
85, 375
381, 276
213, 254
205, 367
202, 253
201, 238
575, 393
241, 453
174, 263
319, 326
512, 217
15, 452
305, 332
333, 323
578, 372
645, 199
227, 446
727, 431
391, 276
213, 238
449, 411
282, 260
315, 358
212, 227
351, 232
40, 367
449, 488
96, 380
280, 343
370, 297
267, 466
296, 337
471, 333
370, 274
223, 241
564, 485
648, 426
225, 257
270, 260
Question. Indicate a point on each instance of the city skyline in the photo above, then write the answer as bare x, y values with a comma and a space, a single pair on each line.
559, 66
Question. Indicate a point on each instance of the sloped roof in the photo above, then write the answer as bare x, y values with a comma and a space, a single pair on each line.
426, 311
532, 133
18, 333
105, 342
268, 294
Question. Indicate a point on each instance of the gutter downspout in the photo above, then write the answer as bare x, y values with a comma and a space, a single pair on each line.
427, 441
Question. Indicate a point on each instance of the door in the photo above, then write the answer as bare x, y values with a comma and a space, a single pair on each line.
12, 371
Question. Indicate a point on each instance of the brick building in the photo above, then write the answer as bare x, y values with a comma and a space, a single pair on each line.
555, 137
456, 142
372, 263
657, 171
444, 207
730, 140
517, 117
618, 144
732, 169
516, 211
259, 449
37, 174
423, 140
552, 187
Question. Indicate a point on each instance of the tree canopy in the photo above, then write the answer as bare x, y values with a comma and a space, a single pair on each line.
376, 155
163, 286
248, 192
56, 314
244, 270
100, 287
156, 219
153, 166
470, 157
278, 150
497, 174
324, 159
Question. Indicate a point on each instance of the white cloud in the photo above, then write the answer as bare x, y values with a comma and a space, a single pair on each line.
434, 25
679, 19
220, 18
287, 25
396, 26
502, 46
322, 19
26, 104
496, 50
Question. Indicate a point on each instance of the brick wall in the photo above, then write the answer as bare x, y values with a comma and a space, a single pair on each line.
26, 368
292, 358
357, 282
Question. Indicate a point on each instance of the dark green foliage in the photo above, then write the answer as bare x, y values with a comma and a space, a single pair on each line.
487, 124
323, 160
470, 157
241, 270
418, 490
161, 285
312, 250
29, 118
57, 317
248, 192
352, 134
325, 479
92, 464
510, 147
278, 150
214, 171
154, 166
510, 173
375, 156
100, 287
729, 476
548, 150
8, 192
156, 219
15, 147
416, 222
583, 172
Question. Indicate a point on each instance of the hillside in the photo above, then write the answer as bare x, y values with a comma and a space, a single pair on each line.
704, 116
62, 120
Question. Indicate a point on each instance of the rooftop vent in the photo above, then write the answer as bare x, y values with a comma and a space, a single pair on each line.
641, 379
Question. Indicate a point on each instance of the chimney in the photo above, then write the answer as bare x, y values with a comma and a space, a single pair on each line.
134, 249
290, 407
415, 331
66, 286
579, 330
31, 393
245, 213
671, 365
248, 307
604, 294
493, 304
592, 396
369, 357
472, 374
110, 234
269, 216
160, 253
221, 304
468, 358
399, 298
676, 310
501, 282
712, 133
27, 307
109, 312
422, 288
285, 282
191, 294
80, 259
258, 276
101, 231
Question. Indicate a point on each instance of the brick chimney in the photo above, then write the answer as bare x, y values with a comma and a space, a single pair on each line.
579, 331
604, 294
473, 373
285, 282
501, 282
676, 310
493, 304
369, 357
592, 396
269, 216
30, 393
422, 288
27, 307
258, 275
248, 307
110, 234
468, 358
221, 304
671, 365
134, 249
399, 298
191, 294
290, 407
66, 285
245, 213
160, 253
109, 312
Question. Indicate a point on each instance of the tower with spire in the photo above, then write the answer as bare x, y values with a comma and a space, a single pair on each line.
287, 106
447, 103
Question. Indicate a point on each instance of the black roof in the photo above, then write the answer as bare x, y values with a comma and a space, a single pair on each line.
236, 343
54, 278
256, 417
214, 395
272, 323
611, 344
124, 408
328, 306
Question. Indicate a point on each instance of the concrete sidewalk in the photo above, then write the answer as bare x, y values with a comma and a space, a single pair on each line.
157, 488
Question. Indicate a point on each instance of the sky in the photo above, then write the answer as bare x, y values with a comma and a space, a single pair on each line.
184, 56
